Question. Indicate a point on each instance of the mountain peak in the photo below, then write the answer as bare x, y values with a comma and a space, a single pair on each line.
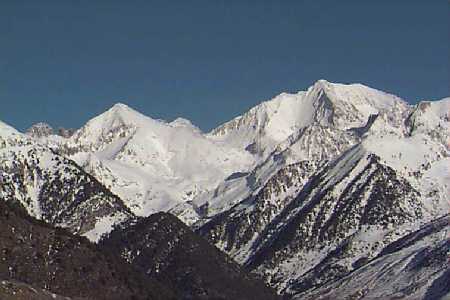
39, 130
120, 106
120, 113
362, 97
123, 110
322, 83
117, 120
182, 122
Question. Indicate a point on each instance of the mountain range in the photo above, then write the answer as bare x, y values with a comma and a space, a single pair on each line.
339, 191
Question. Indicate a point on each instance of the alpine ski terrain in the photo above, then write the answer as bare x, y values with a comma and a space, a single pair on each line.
336, 192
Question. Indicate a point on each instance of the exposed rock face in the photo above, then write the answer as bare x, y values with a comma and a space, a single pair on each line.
40, 130
332, 220
413, 267
65, 133
43, 130
236, 229
317, 232
165, 249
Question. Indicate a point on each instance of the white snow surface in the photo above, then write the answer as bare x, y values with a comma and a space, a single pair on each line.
152, 165
273, 121
103, 226
6, 130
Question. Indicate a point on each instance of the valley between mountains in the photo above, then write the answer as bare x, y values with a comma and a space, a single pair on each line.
340, 191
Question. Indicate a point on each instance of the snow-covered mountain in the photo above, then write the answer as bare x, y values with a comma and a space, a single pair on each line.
412, 267
38, 183
305, 189
54, 188
151, 164
325, 104
332, 195
40, 130
335, 118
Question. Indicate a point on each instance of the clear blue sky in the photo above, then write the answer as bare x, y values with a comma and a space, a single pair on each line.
66, 61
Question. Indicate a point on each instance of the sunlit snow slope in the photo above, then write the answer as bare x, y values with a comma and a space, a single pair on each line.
151, 164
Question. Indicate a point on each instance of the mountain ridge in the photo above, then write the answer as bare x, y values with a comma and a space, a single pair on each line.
304, 189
